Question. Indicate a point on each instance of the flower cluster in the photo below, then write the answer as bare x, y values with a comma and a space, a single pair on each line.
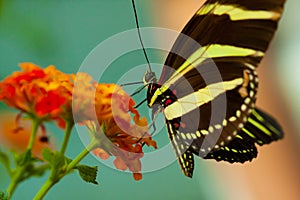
126, 134
40, 93
51, 95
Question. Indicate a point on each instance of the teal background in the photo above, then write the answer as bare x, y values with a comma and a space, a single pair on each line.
63, 33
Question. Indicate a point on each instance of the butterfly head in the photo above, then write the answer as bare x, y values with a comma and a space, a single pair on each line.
160, 95
149, 77
152, 94
150, 81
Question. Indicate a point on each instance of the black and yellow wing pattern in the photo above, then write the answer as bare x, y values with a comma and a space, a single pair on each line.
208, 84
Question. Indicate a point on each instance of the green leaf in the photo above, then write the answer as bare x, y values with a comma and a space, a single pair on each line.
4, 159
3, 196
48, 155
41, 170
24, 158
87, 173
59, 162
33, 170
55, 159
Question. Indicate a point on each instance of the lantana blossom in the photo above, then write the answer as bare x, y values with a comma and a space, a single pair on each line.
51, 95
40, 93
124, 129
47, 94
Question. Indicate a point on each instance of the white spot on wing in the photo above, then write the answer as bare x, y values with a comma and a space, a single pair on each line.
243, 107
232, 119
204, 132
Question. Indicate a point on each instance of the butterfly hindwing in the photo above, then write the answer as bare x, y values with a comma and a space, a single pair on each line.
260, 129
238, 150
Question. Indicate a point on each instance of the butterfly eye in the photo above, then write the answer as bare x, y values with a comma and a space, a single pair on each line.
168, 102
153, 88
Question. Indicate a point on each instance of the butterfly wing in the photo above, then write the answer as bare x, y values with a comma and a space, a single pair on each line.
260, 129
245, 24
212, 70
183, 152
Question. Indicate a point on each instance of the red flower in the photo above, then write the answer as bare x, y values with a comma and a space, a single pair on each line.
47, 94
33, 91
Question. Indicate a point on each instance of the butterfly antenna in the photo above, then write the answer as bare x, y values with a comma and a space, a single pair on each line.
139, 90
139, 33
132, 83
140, 103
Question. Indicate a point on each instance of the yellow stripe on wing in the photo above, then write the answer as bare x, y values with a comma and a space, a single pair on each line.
215, 51
236, 13
262, 120
210, 51
200, 97
259, 126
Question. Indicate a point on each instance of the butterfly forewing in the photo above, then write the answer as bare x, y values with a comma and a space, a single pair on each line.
182, 150
240, 24
211, 70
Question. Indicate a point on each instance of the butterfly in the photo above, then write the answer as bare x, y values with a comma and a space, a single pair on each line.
207, 89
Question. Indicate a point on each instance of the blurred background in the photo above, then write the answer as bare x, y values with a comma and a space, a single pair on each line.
64, 33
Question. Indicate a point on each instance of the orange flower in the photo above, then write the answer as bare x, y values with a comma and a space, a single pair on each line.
47, 94
14, 89
15, 136
124, 133
83, 104
34, 91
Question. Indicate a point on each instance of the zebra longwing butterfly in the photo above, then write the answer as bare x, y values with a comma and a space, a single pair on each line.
208, 91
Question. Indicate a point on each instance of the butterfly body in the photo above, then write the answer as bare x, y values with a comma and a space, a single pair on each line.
209, 83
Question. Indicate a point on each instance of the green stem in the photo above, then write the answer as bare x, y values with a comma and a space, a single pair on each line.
19, 173
52, 181
44, 189
80, 156
35, 126
66, 137
15, 180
